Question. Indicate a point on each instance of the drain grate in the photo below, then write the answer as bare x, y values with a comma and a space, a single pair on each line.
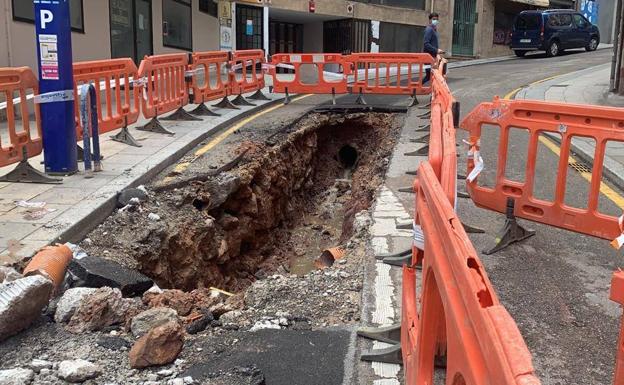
580, 167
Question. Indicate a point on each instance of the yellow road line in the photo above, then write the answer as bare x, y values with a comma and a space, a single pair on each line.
604, 188
181, 167
607, 191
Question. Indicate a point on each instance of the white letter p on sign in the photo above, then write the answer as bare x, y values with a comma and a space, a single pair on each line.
46, 17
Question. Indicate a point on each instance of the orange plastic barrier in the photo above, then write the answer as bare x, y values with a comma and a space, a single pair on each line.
247, 74
22, 145
210, 77
309, 76
382, 73
116, 94
165, 88
565, 120
460, 315
617, 295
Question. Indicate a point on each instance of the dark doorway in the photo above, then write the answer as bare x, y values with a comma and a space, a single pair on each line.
131, 28
347, 36
285, 37
249, 27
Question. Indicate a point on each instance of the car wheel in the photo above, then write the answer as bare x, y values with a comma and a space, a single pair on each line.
553, 49
520, 53
592, 45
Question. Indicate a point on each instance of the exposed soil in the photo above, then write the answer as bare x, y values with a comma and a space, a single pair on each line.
285, 201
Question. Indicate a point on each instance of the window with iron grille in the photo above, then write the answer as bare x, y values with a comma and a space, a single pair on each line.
249, 27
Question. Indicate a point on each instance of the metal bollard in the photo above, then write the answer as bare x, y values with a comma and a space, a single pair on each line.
89, 108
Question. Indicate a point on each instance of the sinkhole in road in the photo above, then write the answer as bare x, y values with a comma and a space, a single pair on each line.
286, 201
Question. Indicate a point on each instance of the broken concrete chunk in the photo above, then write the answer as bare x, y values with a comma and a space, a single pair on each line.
21, 302
69, 302
8, 274
17, 376
78, 370
97, 272
126, 196
105, 307
37, 365
151, 318
160, 346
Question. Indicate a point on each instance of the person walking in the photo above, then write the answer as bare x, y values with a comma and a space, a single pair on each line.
430, 45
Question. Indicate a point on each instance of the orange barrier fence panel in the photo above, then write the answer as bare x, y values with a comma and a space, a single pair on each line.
116, 93
566, 121
210, 75
247, 72
311, 73
440, 90
382, 73
15, 85
165, 88
458, 306
617, 295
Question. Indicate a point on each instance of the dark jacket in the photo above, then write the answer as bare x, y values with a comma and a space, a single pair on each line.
431, 41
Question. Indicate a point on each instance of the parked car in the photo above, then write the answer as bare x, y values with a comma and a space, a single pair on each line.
553, 31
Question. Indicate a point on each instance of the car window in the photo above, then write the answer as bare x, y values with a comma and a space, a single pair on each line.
580, 21
559, 20
527, 22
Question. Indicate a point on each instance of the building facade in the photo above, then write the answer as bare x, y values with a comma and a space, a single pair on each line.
134, 28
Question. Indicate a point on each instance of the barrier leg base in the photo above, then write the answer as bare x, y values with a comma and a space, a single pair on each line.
286, 98
407, 190
391, 355
413, 101
388, 334
241, 101
259, 96
203, 110
472, 230
414, 173
461, 176
80, 154
398, 261
425, 106
155, 126
181, 114
226, 104
424, 139
512, 231
425, 128
25, 173
403, 253
425, 115
463, 195
124, 136
405, 226
360, 100
423, 151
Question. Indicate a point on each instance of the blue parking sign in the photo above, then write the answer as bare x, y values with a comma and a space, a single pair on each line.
56, 86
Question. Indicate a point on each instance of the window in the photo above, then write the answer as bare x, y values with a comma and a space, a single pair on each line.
413, 4
177, 28
560, 20
25, 11
527, 22
581, 22
210, 7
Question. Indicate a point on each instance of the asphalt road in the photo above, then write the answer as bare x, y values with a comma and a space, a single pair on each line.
555, 284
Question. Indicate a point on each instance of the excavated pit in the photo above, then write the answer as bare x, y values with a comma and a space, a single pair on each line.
282, 205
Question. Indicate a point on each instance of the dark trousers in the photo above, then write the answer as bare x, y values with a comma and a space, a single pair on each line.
428, 71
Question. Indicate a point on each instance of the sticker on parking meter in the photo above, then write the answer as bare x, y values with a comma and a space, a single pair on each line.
48, 49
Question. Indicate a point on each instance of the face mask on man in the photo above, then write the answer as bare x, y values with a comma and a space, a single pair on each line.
434, 22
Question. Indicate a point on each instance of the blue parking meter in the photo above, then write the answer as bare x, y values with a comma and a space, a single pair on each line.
56, 85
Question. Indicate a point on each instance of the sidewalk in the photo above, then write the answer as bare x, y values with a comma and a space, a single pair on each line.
589, 86
74, 207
